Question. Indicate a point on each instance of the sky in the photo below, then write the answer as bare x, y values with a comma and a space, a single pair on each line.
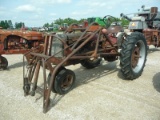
35, 13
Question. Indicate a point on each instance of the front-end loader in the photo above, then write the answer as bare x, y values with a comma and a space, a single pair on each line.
81, 46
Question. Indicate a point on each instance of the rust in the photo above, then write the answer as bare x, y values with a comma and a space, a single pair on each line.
75, 46
135, 56
152, 36
146, 21
20, 41
70, 53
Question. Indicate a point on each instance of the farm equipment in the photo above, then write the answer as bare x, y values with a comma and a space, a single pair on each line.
63, 27
86, 47
98, 20
17, 42
146, 21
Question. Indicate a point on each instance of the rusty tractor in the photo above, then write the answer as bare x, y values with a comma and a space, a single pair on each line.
17, 42
85, 46
146, 21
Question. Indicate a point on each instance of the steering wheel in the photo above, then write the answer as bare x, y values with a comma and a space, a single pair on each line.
108, 20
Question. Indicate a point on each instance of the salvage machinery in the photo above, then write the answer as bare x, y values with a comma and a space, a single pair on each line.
146, 21
85, 46
17, 42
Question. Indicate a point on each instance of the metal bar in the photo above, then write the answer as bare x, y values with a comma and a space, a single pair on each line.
45, 43
35, 78
45, 91
105, 54
46, 103
40, 55
80, 57
97, 44
31, 73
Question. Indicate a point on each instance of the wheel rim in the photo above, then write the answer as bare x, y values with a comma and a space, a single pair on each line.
135, 56
67, 82
138, 56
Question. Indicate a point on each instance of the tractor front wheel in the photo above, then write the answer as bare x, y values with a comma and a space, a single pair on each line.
133, 55
64, 81
49, 78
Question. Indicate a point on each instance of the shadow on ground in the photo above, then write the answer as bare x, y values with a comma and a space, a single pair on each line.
16, 65
152, 50
53, 100
156, 81
84, 76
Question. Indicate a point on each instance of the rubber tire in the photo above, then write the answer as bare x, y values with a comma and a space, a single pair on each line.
126, 56
89, 64
60, 79
4, 61
120, 40
49, 76
110, 58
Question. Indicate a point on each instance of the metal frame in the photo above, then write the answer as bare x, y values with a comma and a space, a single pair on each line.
70, 54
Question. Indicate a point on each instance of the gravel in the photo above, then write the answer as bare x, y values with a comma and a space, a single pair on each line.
99, 94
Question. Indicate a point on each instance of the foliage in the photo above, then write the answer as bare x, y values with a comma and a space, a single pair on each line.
46, 25
10, 24
19, 25
66, 20
62, 21
69, 21
6, 24
123, 22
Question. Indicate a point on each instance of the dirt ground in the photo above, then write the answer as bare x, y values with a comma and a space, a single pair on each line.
99, 94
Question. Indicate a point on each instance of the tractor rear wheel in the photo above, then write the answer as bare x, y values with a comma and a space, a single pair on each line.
3, 63
64, 81
133, 56
89, 64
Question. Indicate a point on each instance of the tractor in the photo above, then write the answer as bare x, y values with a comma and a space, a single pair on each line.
147, 22
63, 26
98, 20
17, 42
85, 46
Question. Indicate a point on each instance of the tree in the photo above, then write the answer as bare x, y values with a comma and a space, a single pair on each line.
81, 20
10, 24
58, 21
4, 24
125, 22
46, 25
69, 21
66, 20
19, 25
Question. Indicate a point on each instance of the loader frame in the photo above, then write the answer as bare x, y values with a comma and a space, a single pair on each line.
71, 56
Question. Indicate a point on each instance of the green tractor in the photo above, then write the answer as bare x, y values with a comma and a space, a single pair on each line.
98, 20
